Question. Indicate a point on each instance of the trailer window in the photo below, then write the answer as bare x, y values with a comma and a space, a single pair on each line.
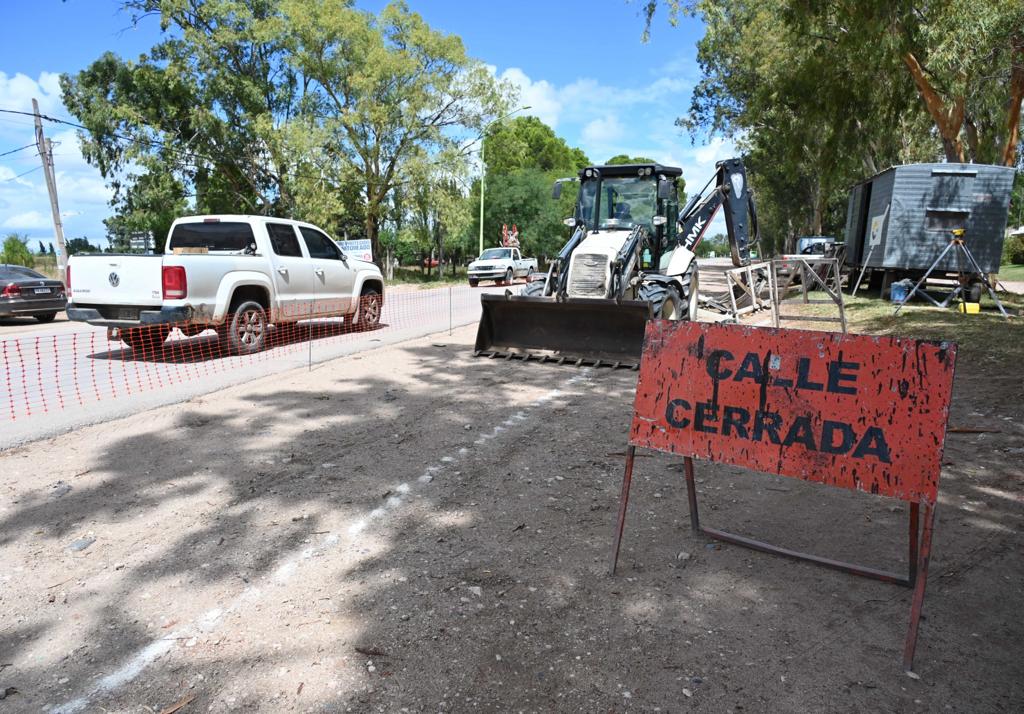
940, 220
220, 236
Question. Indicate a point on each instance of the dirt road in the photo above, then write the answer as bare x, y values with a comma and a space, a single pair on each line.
424, 531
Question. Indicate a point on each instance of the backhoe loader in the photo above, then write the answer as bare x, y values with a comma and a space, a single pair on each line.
630, 259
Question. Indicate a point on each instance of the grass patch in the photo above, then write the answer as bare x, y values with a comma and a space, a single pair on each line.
1013, 273
987, 336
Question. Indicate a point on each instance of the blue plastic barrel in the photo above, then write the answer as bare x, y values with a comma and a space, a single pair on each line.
898, 292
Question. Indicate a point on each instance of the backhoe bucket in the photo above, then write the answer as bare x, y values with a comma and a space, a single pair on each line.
598, 332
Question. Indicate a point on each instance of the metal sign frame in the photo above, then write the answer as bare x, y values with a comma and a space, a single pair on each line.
673, 350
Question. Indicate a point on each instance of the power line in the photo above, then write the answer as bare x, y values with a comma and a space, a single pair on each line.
15, 151
23, 173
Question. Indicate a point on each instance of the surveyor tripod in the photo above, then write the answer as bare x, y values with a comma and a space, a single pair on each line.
963, 257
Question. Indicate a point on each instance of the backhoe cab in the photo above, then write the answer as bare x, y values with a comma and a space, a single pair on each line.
630, 258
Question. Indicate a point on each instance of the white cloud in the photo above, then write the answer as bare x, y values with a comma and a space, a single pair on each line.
30, 220
18, 91
540, 96
24, 200
603, 130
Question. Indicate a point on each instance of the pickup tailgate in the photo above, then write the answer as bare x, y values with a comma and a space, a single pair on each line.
117, 280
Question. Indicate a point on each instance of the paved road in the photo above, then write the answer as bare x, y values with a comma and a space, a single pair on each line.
61, 375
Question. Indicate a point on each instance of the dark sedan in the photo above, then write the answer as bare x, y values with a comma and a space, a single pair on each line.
26, 293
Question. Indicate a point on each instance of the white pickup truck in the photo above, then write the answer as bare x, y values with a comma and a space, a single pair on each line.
236, 274
500, 265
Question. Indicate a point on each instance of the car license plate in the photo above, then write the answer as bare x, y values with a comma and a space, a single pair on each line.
42, 291
127, 314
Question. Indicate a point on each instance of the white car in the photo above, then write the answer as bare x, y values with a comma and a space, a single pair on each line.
502, 265
237, 274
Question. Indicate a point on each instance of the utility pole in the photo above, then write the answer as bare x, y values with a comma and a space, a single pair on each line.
45, 147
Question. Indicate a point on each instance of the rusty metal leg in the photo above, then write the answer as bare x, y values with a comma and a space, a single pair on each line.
915, 509
922, 580
627, 478
691, 494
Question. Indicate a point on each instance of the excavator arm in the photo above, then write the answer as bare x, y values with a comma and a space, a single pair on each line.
731, 191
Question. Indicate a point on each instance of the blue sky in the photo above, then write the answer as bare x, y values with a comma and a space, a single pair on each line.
579, 64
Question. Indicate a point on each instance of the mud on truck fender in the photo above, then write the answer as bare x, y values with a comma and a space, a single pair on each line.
251, 285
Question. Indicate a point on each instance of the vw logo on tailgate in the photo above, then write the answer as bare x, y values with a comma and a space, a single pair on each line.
114, 279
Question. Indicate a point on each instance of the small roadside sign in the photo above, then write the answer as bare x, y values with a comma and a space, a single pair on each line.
359, 249
857, 412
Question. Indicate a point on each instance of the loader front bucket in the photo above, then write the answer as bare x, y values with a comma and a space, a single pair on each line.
598, 332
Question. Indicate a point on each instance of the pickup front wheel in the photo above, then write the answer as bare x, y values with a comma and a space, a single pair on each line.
247, 329
368, 312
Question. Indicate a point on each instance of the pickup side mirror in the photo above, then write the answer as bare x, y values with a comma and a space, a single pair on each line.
556, 190
665, 189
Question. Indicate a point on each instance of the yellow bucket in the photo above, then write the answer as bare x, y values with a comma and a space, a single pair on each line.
971, 308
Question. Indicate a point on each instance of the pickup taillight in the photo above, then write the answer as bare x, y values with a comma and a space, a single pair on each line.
67, 280
174, 282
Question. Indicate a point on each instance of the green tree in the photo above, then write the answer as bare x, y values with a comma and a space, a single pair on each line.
299, 108
76, 246
821, 94
620, 159
16, 251
42, 248
387, 89
524, 157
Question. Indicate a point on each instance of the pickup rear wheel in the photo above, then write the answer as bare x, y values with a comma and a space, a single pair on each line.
368, 312
247, 328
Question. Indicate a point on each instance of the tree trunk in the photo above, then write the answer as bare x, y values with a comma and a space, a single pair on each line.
373, 229
1016, 97
947, 121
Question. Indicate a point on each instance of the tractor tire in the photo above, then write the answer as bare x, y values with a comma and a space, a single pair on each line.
672, 302
533, 289
666, 303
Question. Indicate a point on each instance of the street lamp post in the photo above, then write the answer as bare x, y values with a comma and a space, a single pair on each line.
483, 167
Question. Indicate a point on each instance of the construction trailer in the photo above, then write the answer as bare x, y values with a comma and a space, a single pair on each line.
899, 221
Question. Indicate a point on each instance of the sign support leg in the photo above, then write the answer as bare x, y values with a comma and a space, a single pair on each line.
922, 578
691, 494
915, 509
627, 478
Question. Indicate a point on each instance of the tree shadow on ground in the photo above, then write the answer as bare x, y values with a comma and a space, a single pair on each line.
481, 582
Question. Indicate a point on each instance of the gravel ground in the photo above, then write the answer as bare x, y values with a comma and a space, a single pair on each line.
412, 529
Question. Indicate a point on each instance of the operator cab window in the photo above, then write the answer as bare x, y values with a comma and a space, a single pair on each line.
319, 245
283, 240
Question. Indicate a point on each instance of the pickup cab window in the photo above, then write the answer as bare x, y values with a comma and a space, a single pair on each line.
496, 254
222, 236
283, 240
319, 245
515, 254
